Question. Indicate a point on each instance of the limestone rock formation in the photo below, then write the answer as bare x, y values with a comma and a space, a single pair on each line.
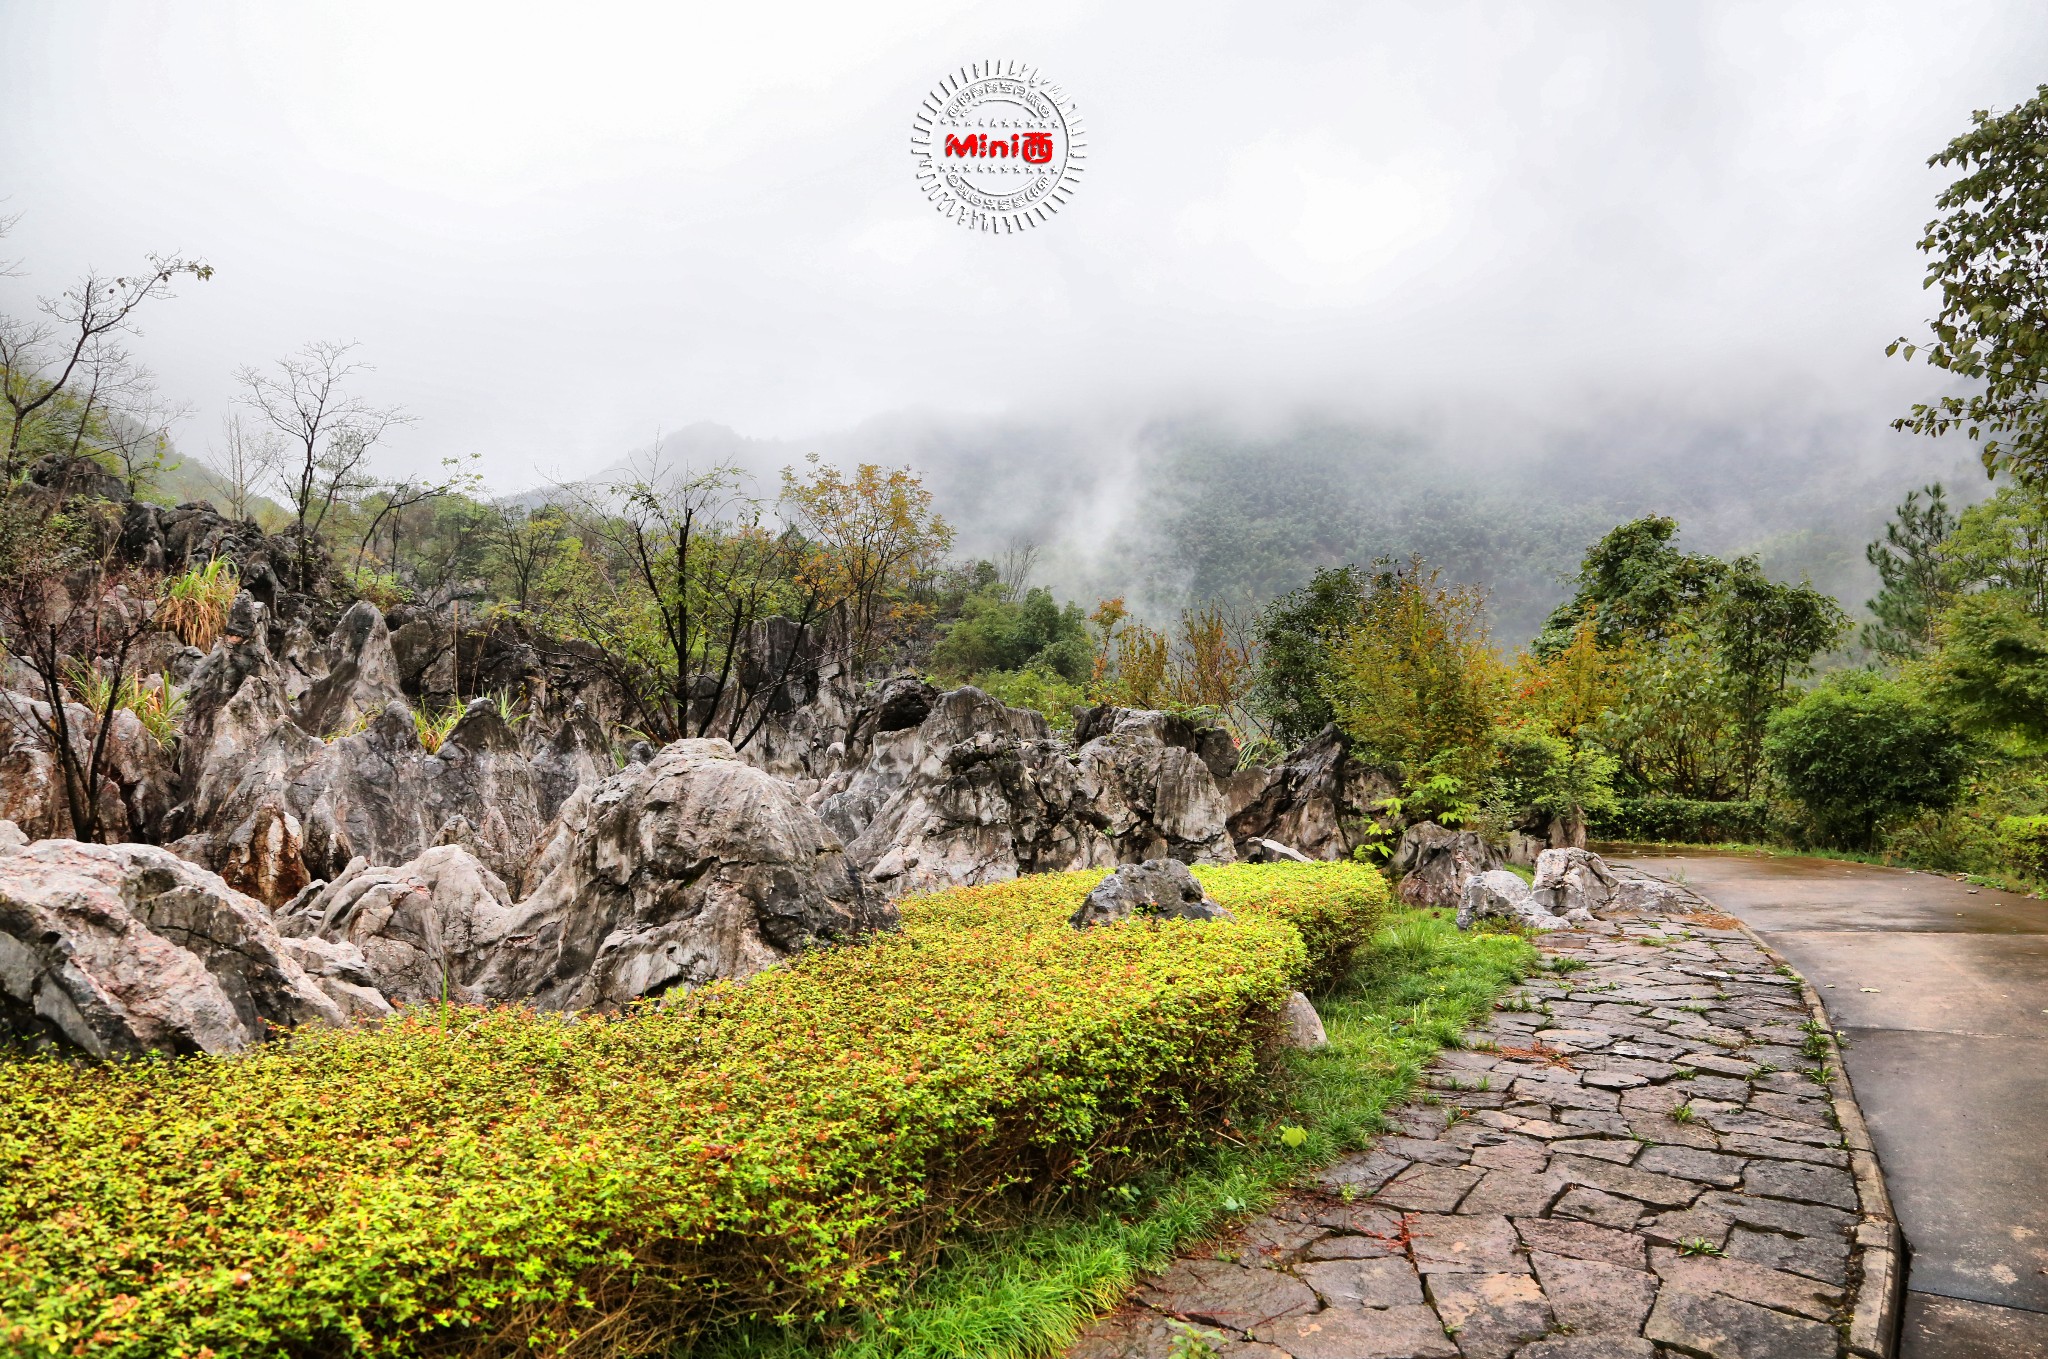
1161, 888
125, 949
1318, 801
1500, 895
1570, 880
1434, 864
1151, 781
691, 867
975, 792
423, 929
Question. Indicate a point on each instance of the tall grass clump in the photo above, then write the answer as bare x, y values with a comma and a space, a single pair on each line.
195, 603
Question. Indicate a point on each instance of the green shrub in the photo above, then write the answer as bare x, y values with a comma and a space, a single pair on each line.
1335, 907
1860, 748
492, 1181
1680, 819
1037, 689
2023, 844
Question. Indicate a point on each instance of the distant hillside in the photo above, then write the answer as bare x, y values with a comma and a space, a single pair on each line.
1166, 512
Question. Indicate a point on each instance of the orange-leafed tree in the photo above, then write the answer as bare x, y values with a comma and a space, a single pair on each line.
874, 540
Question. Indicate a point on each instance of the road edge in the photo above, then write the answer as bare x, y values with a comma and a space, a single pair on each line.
1878, 1253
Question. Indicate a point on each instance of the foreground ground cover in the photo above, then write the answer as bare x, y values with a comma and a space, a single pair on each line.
481, 1181
1415, 987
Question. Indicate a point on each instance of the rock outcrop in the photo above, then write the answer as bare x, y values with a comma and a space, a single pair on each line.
423, 929
1163, 889
975, 791
124, 949
1500, 895
1570, 880
1434, 864
1319, 801
692, 867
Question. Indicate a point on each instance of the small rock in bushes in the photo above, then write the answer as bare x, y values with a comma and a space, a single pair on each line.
1157, 887
1301, 1027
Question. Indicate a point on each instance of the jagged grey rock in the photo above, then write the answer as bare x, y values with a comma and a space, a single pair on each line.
11, 837
362, 675
689, 868
976, 792
1434, 864
1316, 801
1161, 888
423, 929
1569, 880
1500, 895
1150, 781
124, 949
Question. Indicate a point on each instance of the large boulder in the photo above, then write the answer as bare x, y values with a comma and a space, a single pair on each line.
686, 869
119, 950
1150, 780
423, 929
1319, 801
1433, 864
1163, 889
1500, 895
361, 679
975, 792
1573, 880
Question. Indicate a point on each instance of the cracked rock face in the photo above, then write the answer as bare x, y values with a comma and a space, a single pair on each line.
124, 949
978, 792
1434, 864
691, 867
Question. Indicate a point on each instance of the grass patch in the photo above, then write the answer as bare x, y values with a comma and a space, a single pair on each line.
1024, 1291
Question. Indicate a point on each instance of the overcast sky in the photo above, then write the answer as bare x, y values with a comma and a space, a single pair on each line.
557, 229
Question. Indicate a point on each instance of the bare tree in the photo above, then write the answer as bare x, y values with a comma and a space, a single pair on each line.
710, 614
243, 461
524, 543
73, 620
1018, 561
138, 430
396, 497
327, 432
41, 359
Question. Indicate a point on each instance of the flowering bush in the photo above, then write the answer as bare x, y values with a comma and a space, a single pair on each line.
498, 1180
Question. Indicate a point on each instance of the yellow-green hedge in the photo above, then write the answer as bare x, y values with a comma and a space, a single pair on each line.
490, 1180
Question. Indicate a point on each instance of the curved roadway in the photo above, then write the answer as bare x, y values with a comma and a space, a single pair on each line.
1941, 994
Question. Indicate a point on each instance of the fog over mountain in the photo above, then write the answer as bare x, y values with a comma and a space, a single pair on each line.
1212, 509
1339, 279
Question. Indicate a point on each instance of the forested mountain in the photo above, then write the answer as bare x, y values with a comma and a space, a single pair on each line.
1166, 512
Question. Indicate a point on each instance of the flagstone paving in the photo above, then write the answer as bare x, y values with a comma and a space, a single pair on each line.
1652, 1155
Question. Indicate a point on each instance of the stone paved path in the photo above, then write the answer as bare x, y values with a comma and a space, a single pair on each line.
1634, 1158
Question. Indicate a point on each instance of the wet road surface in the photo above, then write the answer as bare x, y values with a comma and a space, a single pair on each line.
1941, 995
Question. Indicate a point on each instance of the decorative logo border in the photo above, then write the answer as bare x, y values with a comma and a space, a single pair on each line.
1014, 83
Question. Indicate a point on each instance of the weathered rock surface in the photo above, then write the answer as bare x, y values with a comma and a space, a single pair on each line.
1434, 864
1500, 895
423, 929
691, 867
979, 792
125, 949
1572, 880
1161, 888
1316, 802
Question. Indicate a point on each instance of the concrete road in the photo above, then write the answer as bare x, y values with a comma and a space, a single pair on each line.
1941, 995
